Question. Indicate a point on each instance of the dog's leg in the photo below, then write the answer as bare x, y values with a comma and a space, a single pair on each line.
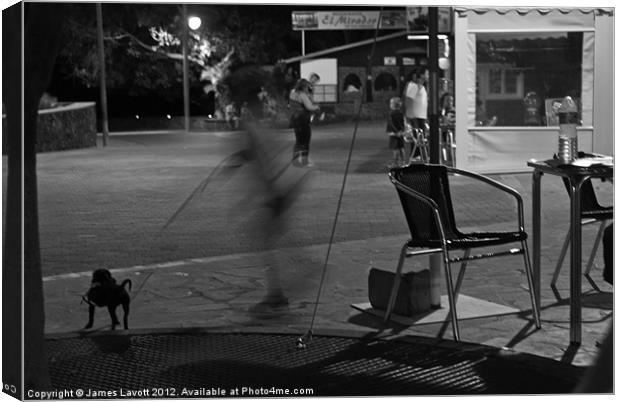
91, 316
125, 313
112, 311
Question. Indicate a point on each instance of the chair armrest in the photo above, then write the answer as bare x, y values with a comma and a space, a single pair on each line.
497, 185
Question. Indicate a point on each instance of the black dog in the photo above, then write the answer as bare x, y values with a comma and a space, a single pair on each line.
104, 291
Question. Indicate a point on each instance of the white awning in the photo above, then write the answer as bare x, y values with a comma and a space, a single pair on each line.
505, 148
463, 11
530, 19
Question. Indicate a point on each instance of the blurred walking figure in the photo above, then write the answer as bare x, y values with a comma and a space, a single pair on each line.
395, 129
302, 109
281, 181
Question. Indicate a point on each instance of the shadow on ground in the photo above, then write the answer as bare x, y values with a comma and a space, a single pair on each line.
329, 365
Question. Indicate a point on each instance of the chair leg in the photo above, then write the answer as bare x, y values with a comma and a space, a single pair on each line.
597, 242
395, 284
586, 273
459, 279
452, 148
558, 267
424, 150
414, 146
451, 298
530, 282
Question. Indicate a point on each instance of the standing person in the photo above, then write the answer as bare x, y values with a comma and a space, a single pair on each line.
302, 108
608, 254
290, 78
230, 114
416, 101
313, 79
599, 378
448, 117
395, 129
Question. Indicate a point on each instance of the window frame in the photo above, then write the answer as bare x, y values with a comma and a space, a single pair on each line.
483, 71
319, 93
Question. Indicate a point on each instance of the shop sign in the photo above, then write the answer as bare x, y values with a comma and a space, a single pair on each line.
348, 20
389, 61
417, 19
408, 61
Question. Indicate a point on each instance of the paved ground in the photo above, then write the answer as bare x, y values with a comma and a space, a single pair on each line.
111, 207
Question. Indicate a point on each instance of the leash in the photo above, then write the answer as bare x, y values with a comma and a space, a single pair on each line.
203, 185
303, 341
137, 292
85, 300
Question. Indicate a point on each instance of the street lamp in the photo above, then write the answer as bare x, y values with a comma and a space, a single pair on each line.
193, 23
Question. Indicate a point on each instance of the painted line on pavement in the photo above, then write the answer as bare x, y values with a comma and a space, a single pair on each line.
163, 265
202, 260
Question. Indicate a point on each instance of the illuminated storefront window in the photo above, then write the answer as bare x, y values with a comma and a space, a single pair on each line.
520, 76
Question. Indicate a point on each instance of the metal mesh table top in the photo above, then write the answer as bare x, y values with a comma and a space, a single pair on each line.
330, 365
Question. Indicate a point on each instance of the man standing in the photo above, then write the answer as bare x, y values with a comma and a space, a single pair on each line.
416, 101
313, 79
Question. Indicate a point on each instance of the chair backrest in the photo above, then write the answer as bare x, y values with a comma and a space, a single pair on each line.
589, 202
431, 181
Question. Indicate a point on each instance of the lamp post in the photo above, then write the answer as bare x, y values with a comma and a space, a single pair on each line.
102, 90
192, 23
433, 64
435, 262
185, 69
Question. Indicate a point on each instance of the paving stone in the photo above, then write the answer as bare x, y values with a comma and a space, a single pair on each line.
107, 207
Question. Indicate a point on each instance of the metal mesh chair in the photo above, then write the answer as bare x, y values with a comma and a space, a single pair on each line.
419, 144
591, 212
424, 192
448, 148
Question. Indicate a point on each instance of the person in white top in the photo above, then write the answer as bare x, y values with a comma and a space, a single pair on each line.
416, 100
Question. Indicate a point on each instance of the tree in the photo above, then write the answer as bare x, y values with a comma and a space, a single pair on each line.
143, 45
40, 47
11, 258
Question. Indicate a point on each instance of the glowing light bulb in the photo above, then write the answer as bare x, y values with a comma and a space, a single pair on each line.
194, 22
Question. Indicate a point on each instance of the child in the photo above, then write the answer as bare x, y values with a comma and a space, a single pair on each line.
231, 116
395, 129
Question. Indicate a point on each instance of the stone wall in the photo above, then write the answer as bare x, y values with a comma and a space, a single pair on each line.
68, 126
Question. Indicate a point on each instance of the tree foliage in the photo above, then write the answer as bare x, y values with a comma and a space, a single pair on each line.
143, 44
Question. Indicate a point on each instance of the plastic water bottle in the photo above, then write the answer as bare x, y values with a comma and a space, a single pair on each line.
567, 140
